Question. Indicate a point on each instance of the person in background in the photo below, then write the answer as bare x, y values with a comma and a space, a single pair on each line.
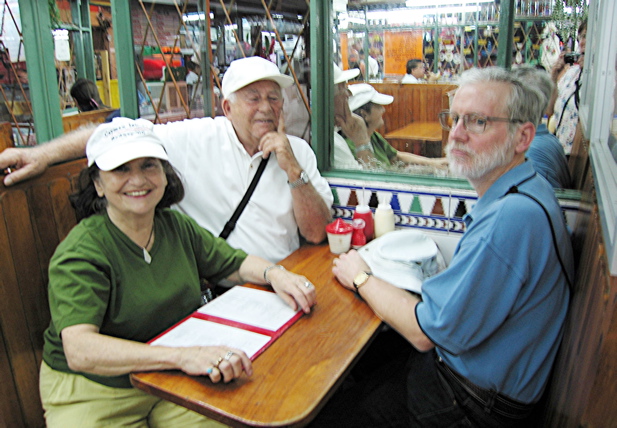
219, 156
193, 75
353, 61
373, 66
416, 73
128, 271
86, 95
346, 123
369, 104
545, 151
486, 329
566, 98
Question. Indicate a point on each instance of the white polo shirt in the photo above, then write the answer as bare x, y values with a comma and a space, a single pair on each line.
216, 170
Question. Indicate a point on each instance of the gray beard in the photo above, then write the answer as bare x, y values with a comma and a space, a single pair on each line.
481, 164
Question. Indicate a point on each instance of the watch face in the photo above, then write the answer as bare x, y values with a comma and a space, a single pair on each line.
360, 279
304, 177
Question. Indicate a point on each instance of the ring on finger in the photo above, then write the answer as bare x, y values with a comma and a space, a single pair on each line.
307, 284
216, 365
228, 355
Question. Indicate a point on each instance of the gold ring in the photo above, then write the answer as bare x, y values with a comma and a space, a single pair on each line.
228, 355
216, 365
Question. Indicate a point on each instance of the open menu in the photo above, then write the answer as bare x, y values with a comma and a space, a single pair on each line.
244, 318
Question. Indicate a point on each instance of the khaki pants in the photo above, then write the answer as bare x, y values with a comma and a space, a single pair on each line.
71, 400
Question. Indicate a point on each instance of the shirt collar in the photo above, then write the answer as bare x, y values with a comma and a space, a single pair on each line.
501, 186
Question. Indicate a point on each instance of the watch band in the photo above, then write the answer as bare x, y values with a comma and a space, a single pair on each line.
304, 179
368, 146
361, 279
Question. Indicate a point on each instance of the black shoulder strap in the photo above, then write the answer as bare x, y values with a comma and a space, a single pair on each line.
574, 94
231, 224
514, 189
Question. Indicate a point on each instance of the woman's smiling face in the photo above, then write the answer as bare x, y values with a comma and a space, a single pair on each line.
133, 189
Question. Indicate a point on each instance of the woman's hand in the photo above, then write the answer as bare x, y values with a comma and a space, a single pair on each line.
355, 129
295, 290
217, 362
89, 351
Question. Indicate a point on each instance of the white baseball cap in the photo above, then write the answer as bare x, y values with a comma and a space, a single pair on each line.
363, 93
242, 72
341, 76
122, 140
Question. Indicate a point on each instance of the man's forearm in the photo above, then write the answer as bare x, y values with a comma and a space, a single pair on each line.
21, 164
71, 145
311, 212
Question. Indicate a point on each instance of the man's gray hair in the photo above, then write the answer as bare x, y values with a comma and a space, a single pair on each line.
525, 102
531, 75
232, 97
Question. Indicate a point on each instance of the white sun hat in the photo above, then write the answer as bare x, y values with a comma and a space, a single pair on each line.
404, 258
123, 140
363, 93
341, 76
242, 72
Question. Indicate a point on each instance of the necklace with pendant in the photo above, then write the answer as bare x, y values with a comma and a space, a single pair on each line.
147, 256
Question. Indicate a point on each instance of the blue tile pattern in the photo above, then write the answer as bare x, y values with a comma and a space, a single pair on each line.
428, 208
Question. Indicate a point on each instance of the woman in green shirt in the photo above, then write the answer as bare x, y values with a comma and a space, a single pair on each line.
128, 271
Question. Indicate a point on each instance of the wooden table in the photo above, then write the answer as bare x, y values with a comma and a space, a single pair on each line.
421, 138
296, 375
425, 131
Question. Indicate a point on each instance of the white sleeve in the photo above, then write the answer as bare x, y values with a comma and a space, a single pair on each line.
343, 158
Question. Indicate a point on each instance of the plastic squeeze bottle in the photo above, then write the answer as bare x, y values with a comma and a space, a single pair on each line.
364, 212
358, 239
384, 219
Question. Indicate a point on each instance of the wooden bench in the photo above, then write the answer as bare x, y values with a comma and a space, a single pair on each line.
72, 122
36, 216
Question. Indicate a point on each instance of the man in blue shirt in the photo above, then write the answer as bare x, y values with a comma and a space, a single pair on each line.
545, 151
486, 329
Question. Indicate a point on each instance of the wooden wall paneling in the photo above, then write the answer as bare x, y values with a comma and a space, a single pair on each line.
584, 381
6, 135
17, 297
36, 216
64, 214
10, 414
600, 412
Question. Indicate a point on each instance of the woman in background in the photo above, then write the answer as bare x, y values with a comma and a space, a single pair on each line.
86, 95
568, 79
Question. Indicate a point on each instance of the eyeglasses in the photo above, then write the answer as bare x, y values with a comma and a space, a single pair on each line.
474, 123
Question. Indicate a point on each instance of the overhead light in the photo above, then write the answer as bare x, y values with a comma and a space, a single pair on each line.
189, 17
423, 3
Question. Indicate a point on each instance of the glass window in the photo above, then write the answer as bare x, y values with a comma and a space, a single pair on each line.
417, 50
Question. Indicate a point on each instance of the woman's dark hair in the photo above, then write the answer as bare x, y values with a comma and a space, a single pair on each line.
87, 202
86, 94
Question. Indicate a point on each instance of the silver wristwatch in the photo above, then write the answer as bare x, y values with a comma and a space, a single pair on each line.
304, 179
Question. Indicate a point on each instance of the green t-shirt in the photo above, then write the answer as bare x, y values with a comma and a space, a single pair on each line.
98, 276
382, 150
